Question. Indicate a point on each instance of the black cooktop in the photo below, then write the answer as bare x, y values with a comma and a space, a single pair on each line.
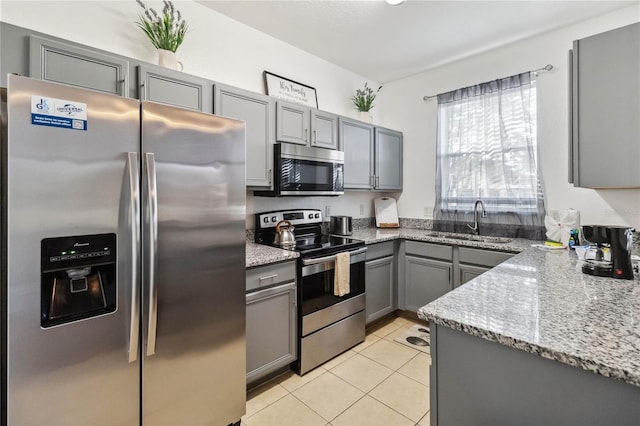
324, 245
307, 228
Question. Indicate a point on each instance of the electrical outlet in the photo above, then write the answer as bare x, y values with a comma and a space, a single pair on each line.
361, 209
327, 211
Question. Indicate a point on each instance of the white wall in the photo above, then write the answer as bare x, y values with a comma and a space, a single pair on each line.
216, 47
224, 50
403, 108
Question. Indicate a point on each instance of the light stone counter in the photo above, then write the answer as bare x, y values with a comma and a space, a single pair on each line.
375, 235
259, 254
540, 302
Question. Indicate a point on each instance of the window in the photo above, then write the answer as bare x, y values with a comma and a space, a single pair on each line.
487, 150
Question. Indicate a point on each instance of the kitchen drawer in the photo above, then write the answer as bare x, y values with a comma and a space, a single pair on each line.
375, 251
265, 276
434, 251
483, 257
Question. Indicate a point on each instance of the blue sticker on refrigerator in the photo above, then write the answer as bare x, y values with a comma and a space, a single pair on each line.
62, 113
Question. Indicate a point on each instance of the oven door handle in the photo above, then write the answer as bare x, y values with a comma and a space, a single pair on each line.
332, 258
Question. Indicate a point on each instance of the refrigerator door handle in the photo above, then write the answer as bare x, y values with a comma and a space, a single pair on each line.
134, 192
152, 201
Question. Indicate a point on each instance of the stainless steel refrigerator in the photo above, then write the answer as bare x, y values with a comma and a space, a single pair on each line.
123, 260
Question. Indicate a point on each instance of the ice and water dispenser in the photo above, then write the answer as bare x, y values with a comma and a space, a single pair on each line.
78, 278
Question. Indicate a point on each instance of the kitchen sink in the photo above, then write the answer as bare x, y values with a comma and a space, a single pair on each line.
469, 237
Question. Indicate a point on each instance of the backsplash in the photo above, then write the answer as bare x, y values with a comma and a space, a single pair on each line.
427, 224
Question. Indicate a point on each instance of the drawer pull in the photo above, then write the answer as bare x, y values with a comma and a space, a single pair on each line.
267, 277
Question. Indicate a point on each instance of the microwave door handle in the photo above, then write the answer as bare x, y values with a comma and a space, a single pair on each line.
134, 208
152, 201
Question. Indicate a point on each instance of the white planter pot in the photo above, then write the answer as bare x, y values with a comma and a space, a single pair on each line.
365, 116
167, 59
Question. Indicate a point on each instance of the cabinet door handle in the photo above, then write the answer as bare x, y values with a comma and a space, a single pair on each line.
143, 95
267, 277
306, 131
315, 137
377, 181
270, 176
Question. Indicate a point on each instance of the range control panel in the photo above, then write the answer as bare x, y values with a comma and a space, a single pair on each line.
296, 217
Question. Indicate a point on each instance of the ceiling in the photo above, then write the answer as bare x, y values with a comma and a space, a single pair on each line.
384, 43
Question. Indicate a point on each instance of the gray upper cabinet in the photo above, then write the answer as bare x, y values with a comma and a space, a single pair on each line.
306, 126
372, 156
158, 84
259, 113
356, 140
65, 63
388, 159
324, 129
605, 106
292, 123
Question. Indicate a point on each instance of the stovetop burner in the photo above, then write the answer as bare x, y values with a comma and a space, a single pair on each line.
308, 233
325, 244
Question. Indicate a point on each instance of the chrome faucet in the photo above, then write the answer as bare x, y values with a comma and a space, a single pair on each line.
475, 228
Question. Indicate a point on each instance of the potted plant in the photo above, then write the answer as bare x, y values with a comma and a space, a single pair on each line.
363, 101
166, 31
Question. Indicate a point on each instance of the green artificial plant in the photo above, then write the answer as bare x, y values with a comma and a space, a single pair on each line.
167, 30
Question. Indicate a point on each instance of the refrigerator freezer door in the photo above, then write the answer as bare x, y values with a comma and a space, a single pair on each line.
68, 182
193, 369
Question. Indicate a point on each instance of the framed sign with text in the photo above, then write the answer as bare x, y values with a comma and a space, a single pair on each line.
289, 90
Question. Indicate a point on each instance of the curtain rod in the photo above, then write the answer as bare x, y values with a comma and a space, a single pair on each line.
547, 67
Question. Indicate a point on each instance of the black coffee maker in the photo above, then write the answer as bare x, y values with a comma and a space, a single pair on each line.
618, 239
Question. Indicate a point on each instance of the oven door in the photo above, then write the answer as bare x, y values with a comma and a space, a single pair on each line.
309, 171
317, 281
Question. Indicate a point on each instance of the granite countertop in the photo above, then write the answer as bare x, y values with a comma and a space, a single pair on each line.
259, 254
540, 302
375, 235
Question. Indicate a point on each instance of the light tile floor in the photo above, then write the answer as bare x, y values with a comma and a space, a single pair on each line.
379, 382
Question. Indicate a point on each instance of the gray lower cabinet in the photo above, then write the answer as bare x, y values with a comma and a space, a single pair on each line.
372, 156
469, 272
473, 262
380, 280
431, 270
306, 126
605, 106
65, 63
159, 84
426, 274
271, 328
259, 113
476, 381
425, 281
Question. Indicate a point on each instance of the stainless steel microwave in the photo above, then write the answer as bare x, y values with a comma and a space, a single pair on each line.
302, 170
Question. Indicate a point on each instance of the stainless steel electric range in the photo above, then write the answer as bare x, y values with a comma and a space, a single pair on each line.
327, 324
